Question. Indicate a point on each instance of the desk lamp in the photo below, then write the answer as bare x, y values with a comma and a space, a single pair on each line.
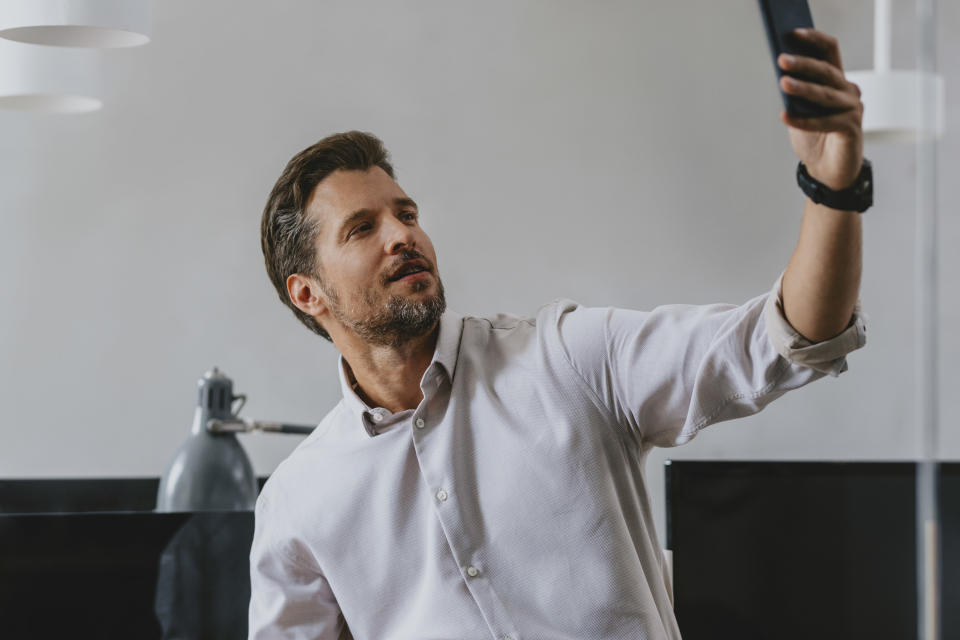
210, 470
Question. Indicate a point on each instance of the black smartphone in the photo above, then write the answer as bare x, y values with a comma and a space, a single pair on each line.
781, 17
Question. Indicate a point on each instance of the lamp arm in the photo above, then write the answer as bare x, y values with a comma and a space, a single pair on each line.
246, 425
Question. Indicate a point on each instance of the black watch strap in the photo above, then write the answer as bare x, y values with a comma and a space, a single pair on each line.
857, 197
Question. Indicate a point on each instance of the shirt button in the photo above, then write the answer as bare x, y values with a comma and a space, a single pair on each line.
377, 416
441, 495
420, 423
472, 571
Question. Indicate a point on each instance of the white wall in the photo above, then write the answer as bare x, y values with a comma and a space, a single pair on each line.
617, 152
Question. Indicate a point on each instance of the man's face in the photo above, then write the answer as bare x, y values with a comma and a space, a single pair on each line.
369, 234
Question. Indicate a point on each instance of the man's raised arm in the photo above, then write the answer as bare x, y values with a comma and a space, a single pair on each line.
822, 280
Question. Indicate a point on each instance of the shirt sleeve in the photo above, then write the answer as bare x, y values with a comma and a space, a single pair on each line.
825, 357
289, 598
663, 375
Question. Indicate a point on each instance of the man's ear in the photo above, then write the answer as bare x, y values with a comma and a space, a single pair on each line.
305, 293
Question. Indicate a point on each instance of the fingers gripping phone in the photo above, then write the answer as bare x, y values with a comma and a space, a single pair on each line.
781, 17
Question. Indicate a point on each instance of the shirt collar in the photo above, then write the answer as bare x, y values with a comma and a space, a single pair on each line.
444, 355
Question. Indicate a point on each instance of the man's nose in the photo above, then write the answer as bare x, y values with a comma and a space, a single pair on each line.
399, 235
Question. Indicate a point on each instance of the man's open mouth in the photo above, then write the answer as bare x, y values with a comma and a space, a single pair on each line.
411, 276
409, 270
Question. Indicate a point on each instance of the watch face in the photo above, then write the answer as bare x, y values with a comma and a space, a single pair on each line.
867, 185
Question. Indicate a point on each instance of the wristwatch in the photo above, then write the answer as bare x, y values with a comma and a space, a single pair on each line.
857, 197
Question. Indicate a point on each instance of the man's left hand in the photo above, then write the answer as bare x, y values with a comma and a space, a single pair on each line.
830, 146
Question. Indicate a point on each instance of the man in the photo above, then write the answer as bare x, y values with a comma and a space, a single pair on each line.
483, 477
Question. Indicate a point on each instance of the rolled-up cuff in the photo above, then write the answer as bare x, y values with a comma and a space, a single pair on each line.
828, 356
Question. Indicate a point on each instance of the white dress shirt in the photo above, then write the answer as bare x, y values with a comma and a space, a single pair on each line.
511, 503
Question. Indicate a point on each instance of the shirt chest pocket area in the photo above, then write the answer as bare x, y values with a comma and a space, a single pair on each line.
554, 471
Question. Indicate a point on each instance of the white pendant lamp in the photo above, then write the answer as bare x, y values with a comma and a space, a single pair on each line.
897, 104
64, 76
76, 23
49, 79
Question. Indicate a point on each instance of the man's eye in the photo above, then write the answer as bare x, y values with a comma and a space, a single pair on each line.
410, 216
362, 227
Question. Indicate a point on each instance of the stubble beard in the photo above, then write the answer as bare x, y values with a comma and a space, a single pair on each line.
393, 323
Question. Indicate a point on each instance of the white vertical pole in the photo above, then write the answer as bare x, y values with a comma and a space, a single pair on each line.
882, 21
927, 321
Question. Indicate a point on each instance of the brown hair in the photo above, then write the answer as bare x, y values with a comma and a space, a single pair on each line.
287, 235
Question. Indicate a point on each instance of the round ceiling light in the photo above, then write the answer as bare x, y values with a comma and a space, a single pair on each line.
77, 23
898, 105
48, 79
901, 105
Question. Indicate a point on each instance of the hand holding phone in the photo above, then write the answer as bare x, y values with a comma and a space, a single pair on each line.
781, 17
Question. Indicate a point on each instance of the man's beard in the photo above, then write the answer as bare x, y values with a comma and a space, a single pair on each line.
396, 322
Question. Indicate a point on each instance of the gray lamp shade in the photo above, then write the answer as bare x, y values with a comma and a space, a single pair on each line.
209, 472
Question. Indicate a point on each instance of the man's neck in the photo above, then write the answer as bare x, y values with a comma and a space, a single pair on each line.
388, 376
